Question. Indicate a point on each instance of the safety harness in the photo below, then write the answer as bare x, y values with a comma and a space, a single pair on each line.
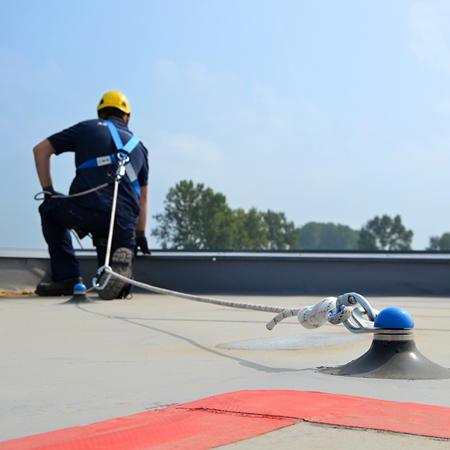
112, 159
122, 152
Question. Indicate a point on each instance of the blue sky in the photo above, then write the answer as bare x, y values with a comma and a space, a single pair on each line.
329, 111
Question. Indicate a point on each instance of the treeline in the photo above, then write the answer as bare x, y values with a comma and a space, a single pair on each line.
380, 233
195, 217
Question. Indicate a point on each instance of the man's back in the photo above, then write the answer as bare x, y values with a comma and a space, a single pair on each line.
92, 139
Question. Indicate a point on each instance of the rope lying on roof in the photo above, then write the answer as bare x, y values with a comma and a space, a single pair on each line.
310, 317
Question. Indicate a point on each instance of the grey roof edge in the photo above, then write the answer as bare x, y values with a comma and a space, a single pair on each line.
405, 256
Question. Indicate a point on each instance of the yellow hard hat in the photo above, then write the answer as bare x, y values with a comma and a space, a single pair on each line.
114, 99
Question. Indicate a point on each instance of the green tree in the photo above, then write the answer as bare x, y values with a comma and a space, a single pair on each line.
441, 243
385, 233
327, 236
281, 234
250, 230
197, 218
194, 218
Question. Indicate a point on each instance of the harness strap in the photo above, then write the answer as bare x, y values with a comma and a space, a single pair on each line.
98, 162
129, 146
112, 159
133, 178
114, 134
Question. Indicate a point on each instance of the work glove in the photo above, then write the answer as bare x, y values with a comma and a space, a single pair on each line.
49, 192
141, 242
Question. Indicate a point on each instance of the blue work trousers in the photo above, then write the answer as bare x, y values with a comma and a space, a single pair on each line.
56, 229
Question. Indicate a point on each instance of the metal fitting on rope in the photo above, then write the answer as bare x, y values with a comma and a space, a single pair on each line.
360, 307
99, 273
352, 299
122, 159
348, 309
120, 172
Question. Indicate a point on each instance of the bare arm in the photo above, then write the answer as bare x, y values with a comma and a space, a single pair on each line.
142, 221
42, 153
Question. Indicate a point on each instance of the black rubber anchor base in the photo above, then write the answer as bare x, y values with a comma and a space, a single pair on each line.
79, 295
391, 359
79, 299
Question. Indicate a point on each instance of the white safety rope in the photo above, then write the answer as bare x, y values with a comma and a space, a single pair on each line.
310, 317
111, 223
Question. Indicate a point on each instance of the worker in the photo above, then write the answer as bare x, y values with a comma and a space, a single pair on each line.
96, 144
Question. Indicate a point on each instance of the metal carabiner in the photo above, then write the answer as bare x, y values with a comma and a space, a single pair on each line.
99, 273
122, 159
120, 172
353, 299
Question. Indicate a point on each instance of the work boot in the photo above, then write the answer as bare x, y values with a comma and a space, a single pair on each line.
121, 264
63, 287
